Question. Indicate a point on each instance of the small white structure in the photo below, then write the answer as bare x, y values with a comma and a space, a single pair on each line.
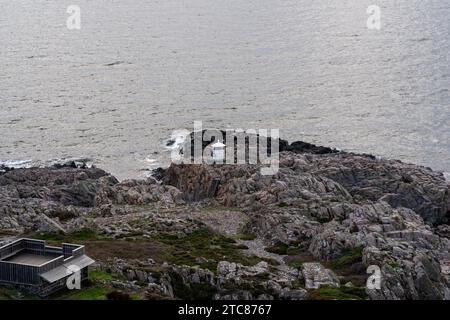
218, 152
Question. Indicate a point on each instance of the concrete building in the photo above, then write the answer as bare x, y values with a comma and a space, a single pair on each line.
40, 269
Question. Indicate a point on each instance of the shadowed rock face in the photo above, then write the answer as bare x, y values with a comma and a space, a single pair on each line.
27, 195
339, 178
67, 185
334, 203
66, 192
399, 184
343, 211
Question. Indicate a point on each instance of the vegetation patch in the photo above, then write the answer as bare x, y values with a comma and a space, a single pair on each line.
204, 248
99, 275
97, 292
104, 249
10, 293
74, 236
298, 284
323, 220
395, 265
191, 291
118, 295
292, 251
278, 248
272, 262
133, 235
335, 293
7, 233
347, 259
214, 207
282, 204
62, 215
255, 288
247, 236
297, 260
98, 287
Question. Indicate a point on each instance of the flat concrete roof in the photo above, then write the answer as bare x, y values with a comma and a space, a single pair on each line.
66, 269
30, 259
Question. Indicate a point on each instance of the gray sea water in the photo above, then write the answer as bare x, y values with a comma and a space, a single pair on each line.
115, 90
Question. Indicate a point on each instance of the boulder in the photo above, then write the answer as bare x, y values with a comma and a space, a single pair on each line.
316, 275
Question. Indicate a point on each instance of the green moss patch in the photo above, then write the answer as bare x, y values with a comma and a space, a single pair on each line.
204, 248
78, 235
247, 236
97, 292
297, 260
10, 293
278, 248
347, 259
99, 275
334, 293
191, 291
62, 215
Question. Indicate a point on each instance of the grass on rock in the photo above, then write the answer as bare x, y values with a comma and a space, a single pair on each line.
78, 235
335, 293
202, 247
247, 236
205, 248
278, 248
347, 259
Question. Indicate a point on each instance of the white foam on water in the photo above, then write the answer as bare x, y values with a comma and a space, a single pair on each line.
148, 164
18, 164
78, 162
24, 164
150, 160
178, 137
447, 176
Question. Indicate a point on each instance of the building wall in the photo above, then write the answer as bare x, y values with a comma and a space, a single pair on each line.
17, 273
28, 276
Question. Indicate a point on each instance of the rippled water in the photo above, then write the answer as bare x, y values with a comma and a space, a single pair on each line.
139, 69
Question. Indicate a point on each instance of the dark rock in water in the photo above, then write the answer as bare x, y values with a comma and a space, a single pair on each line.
283, 145
158, 173
4, 169
69, 164
170, 143
222, 136
114, 63
82, 164
304, 147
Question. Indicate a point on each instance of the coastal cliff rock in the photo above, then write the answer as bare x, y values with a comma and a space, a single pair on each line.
310, 231
332, 178
329, 205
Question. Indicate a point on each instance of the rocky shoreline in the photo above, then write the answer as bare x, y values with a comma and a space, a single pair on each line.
228, 232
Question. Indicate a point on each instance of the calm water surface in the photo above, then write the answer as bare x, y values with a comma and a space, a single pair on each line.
139, 69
